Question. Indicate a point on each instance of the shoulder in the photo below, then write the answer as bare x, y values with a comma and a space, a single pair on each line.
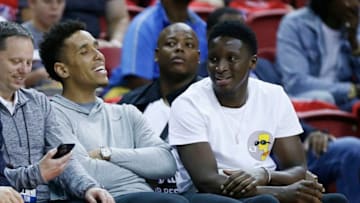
196, 19
145, 19
197, 93
34, 100
301, 15
33, 95
135, 95
265, 89
124, 109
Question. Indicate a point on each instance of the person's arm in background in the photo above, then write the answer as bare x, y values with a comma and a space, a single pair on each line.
315, 139
138, 54
35, 76
117, 18
351, 23
38, 72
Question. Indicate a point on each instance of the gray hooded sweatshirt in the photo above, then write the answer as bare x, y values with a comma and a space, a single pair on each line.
137, 153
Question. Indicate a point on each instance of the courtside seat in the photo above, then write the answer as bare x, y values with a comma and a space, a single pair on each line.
203, 9
265, 24
112, 58
336, 122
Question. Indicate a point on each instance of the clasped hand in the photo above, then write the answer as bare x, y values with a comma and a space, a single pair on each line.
242, 183
303, 191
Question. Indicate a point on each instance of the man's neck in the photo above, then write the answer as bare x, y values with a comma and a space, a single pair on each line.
8, 96
233, 100
169, 86
332, 23
80, 96
40, 27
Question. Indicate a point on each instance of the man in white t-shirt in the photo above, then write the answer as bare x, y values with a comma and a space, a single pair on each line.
224, 128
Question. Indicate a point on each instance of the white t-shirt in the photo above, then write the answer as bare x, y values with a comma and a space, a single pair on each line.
157, 113
241, 138
10, 106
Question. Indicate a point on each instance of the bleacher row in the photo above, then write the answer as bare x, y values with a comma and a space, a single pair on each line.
264, 17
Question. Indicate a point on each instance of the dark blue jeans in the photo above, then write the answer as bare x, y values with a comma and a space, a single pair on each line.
151, 197
341, 163
213, 198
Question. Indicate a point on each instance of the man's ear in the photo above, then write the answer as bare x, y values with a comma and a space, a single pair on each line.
61, 70
156, 54
198, 56
253, 61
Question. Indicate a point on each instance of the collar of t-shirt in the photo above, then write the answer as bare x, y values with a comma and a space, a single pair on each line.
10, 106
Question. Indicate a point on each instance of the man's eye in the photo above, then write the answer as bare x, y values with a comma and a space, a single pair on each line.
171, 44
232, 58
16, 61
213, 60
83, 52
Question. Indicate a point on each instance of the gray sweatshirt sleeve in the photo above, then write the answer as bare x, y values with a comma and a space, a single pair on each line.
24, 177
74, 179
149, 151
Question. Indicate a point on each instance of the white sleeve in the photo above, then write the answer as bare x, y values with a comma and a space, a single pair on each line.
187, 124
288, 123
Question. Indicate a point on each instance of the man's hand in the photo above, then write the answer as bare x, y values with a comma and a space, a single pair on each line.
95, 154
51, 168
9, 195
303, 191
242, 183
318, 141
94, 195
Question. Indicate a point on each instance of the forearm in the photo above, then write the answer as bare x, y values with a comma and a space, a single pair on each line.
149, 162
288, 176
24, 177
118, 20
210, 183
77, 180
276, 191
35, 76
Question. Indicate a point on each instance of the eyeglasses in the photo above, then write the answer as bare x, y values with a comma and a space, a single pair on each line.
262, 142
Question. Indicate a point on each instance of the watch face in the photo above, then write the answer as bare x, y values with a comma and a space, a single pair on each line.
105, 152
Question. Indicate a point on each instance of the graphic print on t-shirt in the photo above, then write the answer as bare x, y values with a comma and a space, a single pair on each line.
260, 144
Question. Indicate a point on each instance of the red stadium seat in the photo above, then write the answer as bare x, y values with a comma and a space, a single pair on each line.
112, 58
203, 9
336, 122
265, 24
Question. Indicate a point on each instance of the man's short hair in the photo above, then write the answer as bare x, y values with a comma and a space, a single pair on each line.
236, 30
320, 7
52, 45
12, 29
214, 17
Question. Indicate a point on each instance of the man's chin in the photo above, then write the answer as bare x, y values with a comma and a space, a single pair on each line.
104, 84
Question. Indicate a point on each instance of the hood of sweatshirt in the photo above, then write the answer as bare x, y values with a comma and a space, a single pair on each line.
68, 104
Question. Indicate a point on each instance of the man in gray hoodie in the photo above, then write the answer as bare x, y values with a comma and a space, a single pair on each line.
30, 131
114, 142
